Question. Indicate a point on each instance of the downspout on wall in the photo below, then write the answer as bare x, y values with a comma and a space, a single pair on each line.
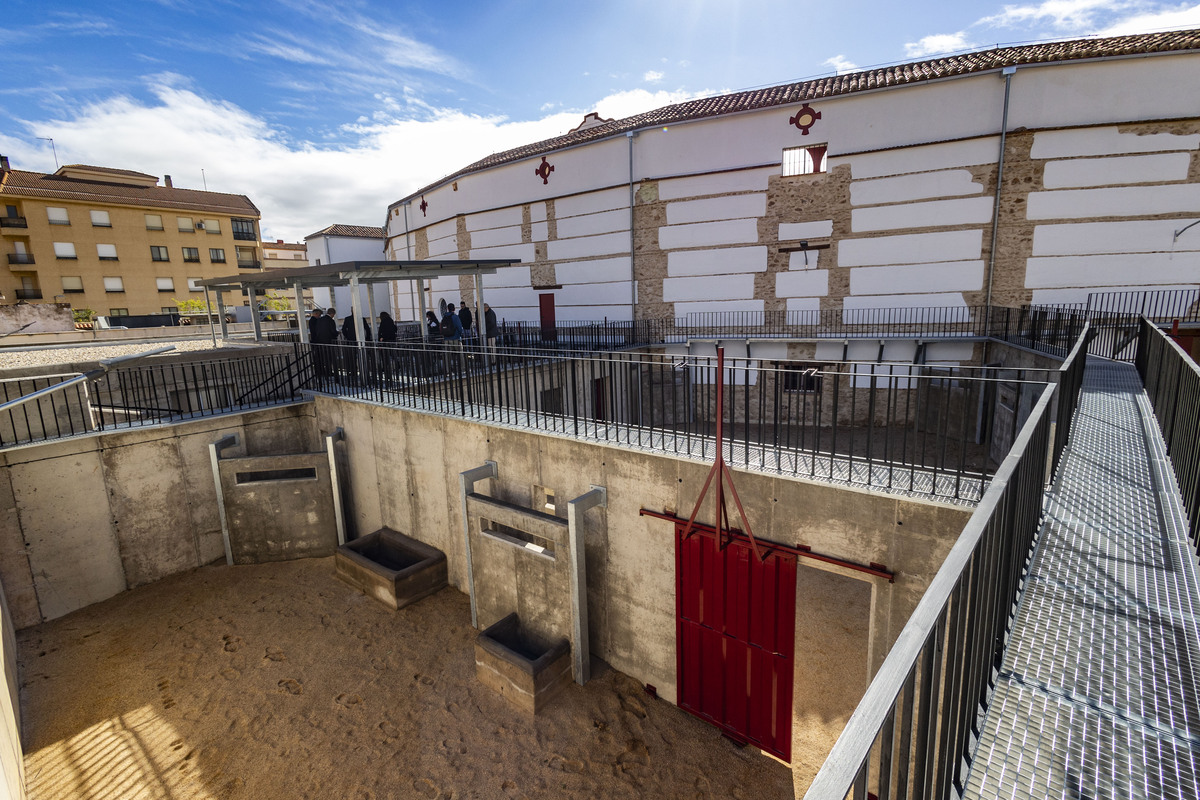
1007, 72
633, 298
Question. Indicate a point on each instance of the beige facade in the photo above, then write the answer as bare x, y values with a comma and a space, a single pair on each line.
115, 241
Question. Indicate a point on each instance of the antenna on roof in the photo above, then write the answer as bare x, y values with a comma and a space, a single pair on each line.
204, 179
52, 149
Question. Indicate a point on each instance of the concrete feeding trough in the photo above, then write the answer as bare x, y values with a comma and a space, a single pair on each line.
522, 668
393, 568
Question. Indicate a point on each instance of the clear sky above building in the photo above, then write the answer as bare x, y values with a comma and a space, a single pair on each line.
325, 112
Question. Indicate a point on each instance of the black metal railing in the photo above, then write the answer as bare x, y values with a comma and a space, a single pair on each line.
13, 222
53, 416
152, 392
910, 733
20, 258
908, 427
29, 294
1172, 381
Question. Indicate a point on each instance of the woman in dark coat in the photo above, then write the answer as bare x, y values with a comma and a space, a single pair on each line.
433, 326
387, 327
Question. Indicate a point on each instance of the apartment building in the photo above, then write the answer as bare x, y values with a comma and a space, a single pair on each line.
116, 241
281, 255
1032, 174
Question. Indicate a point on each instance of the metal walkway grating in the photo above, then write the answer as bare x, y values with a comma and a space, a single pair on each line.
1098, 695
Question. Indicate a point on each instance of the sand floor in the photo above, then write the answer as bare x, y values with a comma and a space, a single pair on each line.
279, 681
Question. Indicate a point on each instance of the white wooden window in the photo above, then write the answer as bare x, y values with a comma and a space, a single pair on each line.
106, 252
100, 219
185, 225
114, 284
212, 226
154, 222
64, 250
165, 284
57, 216
72, 284
192, 287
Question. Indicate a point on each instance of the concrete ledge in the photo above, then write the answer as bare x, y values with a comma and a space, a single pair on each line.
393, 568
523, 670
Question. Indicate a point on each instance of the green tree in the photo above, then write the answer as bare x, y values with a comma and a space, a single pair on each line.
82, 314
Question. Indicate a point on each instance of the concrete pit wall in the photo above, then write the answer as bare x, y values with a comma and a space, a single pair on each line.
404, 468
12, 757
84, 519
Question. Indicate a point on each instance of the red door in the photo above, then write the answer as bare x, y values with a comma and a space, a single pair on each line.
736, 637
546, 311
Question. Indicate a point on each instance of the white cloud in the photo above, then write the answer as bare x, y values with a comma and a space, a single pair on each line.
840, 64
653, 76
1178, 17
938, 43
1063, 15
299, 187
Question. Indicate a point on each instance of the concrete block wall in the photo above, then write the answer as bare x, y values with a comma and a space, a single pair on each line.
84, 519
404, 467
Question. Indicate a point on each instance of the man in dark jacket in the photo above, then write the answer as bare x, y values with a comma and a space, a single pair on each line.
464, 316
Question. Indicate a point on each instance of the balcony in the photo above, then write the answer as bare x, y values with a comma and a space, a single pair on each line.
29, 294
245, 236
249, 264
20, 258
13, 222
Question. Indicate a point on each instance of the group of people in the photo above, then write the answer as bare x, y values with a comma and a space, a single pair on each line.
323, 328
457, 326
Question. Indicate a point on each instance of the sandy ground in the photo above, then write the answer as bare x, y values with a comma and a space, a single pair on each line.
279, 681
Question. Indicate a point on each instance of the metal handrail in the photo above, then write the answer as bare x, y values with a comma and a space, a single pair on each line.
105, 366
920, 650
1172, 381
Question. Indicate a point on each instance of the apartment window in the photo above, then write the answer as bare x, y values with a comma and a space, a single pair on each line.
212, 226
185, 224
72, 284
191, 254
165, 284
114, 284
243, 229
159, 253
216, 255
193, 286
154, 222
57, 216
803, 378
106, 252
169, 309
64, 250
100, 219
804, 160
118, 312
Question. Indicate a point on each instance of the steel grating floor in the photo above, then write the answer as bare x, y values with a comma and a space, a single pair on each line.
1099, 692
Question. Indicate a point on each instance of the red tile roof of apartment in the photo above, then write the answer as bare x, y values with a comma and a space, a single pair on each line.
37, 184
849, 83
359, 231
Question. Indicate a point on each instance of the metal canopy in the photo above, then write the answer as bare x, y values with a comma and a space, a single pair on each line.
340, 274
345, 273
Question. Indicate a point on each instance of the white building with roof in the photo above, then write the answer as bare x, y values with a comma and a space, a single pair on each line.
1031, 174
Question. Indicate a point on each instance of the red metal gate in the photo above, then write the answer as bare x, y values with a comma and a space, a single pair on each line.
736, 636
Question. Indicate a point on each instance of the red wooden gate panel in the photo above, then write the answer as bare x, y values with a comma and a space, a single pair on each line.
736, 637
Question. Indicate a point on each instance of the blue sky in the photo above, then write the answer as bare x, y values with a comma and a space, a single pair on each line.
326, 112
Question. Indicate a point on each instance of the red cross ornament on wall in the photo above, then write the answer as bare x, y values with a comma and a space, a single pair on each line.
805, 118
424, 206
543, 171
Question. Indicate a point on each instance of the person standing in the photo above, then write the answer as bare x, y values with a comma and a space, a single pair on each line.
464, 316
490, 329
433, 328
387, 327
452, 327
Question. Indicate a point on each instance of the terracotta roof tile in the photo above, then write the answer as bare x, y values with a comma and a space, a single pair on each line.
895, 75
36, 184
360, 231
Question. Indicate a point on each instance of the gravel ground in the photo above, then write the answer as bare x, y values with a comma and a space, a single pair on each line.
75, 354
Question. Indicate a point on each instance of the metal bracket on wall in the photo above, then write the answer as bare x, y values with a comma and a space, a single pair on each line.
581, 653
339, 512
466, 483
214, 455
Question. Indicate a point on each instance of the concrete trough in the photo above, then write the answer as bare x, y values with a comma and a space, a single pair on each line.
393, 568
522, 668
